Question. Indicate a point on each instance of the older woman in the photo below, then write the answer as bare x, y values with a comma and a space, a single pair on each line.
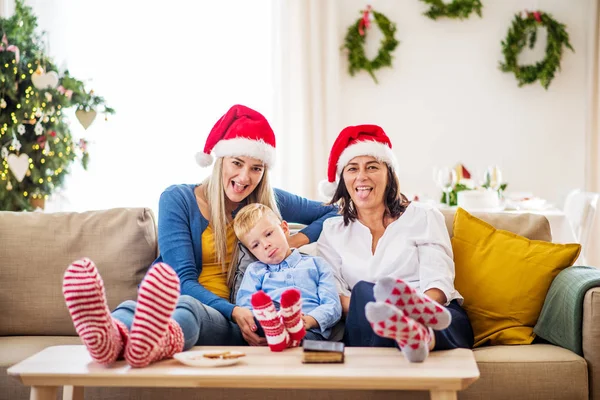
392, 257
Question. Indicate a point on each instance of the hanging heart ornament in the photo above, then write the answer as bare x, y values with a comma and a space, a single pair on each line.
18, 165
44, 80
85, 117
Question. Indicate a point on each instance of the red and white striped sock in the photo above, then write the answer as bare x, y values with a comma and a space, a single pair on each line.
291, 313
157, 298
414, 305
387, 321
263, 309
84, 294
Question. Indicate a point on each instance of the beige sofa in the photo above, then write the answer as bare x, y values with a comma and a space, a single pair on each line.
36, 248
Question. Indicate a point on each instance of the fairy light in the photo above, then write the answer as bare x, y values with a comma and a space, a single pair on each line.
40, 180
43, 161
49, 179
25, 194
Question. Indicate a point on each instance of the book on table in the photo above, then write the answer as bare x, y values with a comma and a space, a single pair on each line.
317, 351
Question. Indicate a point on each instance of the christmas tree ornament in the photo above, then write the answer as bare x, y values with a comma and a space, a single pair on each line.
48, 96
85, 117
21, 129
39, 129
18, 165
9, 186
522, 32
460, 9
44, 80
4, 153
4, 46
16, 144
354, 43
2, 103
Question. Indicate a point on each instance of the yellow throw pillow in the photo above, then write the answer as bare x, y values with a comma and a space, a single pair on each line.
504, 278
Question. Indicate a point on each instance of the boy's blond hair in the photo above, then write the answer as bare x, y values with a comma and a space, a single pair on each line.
248, 217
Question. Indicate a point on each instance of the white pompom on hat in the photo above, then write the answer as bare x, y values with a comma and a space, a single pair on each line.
354, 141
242, 131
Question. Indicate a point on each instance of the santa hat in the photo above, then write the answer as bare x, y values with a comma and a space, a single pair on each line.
354, 141
240, 132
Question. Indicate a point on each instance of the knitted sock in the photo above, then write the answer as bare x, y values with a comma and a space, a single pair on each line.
263, 309
389, 322
172, 342
157, 298
84, 294
291, 313
414, 305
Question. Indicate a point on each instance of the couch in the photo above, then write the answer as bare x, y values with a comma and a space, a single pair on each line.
37, 247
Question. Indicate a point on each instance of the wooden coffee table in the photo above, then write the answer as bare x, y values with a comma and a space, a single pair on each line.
443, 373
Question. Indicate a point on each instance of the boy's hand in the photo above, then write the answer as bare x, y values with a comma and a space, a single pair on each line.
245, 320
309, 322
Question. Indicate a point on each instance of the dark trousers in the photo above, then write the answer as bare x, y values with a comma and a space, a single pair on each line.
359, 333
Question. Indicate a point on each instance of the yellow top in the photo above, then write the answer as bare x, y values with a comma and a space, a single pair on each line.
213, 277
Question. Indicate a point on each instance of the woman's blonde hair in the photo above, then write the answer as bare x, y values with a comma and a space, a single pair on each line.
214, 192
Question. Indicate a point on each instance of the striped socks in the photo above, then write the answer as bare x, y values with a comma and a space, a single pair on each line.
413, 338
291, 313
264, 310
84, 294
154, 335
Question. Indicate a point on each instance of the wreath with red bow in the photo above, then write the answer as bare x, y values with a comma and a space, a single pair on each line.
524, 32
355, 41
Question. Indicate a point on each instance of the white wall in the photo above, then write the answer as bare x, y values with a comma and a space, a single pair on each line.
445, 100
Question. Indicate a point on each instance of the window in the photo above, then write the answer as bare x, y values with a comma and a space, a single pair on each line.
170, 71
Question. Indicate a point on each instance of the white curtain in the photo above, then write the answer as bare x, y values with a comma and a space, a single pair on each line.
593, 128
307, 67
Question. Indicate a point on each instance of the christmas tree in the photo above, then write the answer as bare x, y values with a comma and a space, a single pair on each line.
36, 145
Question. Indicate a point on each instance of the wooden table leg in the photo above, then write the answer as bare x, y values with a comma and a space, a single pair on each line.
43, 393
442, 395
72, 393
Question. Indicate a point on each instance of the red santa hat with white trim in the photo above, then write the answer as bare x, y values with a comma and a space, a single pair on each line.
242, 131
354, 141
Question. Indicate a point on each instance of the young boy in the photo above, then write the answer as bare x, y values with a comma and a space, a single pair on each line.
297, 283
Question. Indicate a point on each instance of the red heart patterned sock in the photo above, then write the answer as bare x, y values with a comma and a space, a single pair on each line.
414, 305
389, 322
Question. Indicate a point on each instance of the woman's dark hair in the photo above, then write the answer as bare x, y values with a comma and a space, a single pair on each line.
395, 202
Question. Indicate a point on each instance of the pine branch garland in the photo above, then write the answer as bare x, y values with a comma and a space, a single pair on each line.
458, 9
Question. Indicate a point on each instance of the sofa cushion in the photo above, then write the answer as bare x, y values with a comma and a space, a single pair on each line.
540, 371
531, 226
37, 248
504, 278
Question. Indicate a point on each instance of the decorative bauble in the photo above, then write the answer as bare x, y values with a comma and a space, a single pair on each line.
18, 165
44, 80
85, 117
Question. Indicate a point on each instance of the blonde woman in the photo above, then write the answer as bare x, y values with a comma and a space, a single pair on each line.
184, 300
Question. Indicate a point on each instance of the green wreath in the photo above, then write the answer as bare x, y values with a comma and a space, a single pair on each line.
457, 9
354, 43
524, 31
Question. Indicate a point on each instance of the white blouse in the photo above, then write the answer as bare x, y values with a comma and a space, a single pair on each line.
416, 248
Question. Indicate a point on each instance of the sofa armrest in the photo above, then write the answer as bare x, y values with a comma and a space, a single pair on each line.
591, 339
